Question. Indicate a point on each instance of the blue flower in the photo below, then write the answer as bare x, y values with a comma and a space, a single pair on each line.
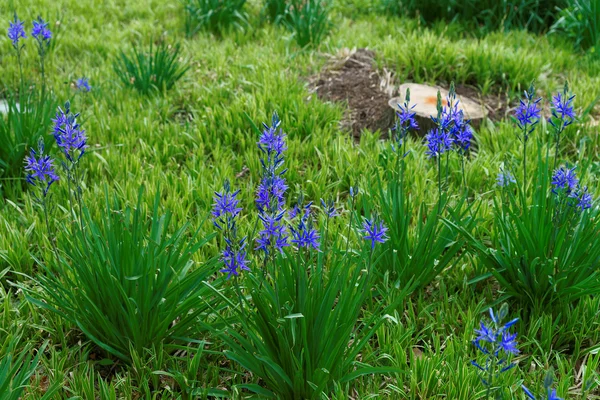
373, 232
438, 142
406, 120
16, 31
83, 84
528, 112
486, 334
564, 178
68, 134
41, 169
274, 233
225, 213
304, 235
270, 193
550, 396
495, 343
40, 31
584, 199
505, 178
272, 139
235, 259
329, 208
461, 132
562, 108
508, 343
226, 203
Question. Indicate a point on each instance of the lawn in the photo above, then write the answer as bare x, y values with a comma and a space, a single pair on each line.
105, 297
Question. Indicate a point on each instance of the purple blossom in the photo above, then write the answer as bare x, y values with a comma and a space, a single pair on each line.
406, 120
41, 169
226, 204
235, 260
225, 213
329, 208
505, 178
485, 333
68, 134
584, 199
438, 142
562, 109
304, 234
83, 84
528, 113
564, 178
495, 343
508, 343
40, 31
373, 232
461, 132
16, 31
270, 193
550, 396
274, 233
305, 237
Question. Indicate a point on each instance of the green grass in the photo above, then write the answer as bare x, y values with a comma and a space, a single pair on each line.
187, 142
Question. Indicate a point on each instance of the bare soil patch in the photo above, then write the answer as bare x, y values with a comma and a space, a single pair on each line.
354, 79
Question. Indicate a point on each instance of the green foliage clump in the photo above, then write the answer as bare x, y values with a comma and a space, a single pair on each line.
580, 22
213, 15
28, 118
155, 70
308, 20
128, 283
487, 15
302, 330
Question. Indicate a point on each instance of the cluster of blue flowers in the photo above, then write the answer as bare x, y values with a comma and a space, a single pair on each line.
304, 233
452, 131
43, 37
16, 32
528, 113
70, 138
270, 203
225, 212
505, 178
270, 194
69, 135
566, 184
41, 32
40, 169
405, 122
563, 111
496, 343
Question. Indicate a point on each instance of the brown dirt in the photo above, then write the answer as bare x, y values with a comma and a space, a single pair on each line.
355, 80
498, 105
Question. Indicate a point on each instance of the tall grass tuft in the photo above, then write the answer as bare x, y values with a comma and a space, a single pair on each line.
276, 10
302, 328
17, 366
213, 15
580, 21
28, 118
420, 245
543, 252
126, 281
154, 70
308, 20
485, 15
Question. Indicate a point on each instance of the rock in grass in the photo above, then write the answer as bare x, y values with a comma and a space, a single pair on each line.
425, 99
